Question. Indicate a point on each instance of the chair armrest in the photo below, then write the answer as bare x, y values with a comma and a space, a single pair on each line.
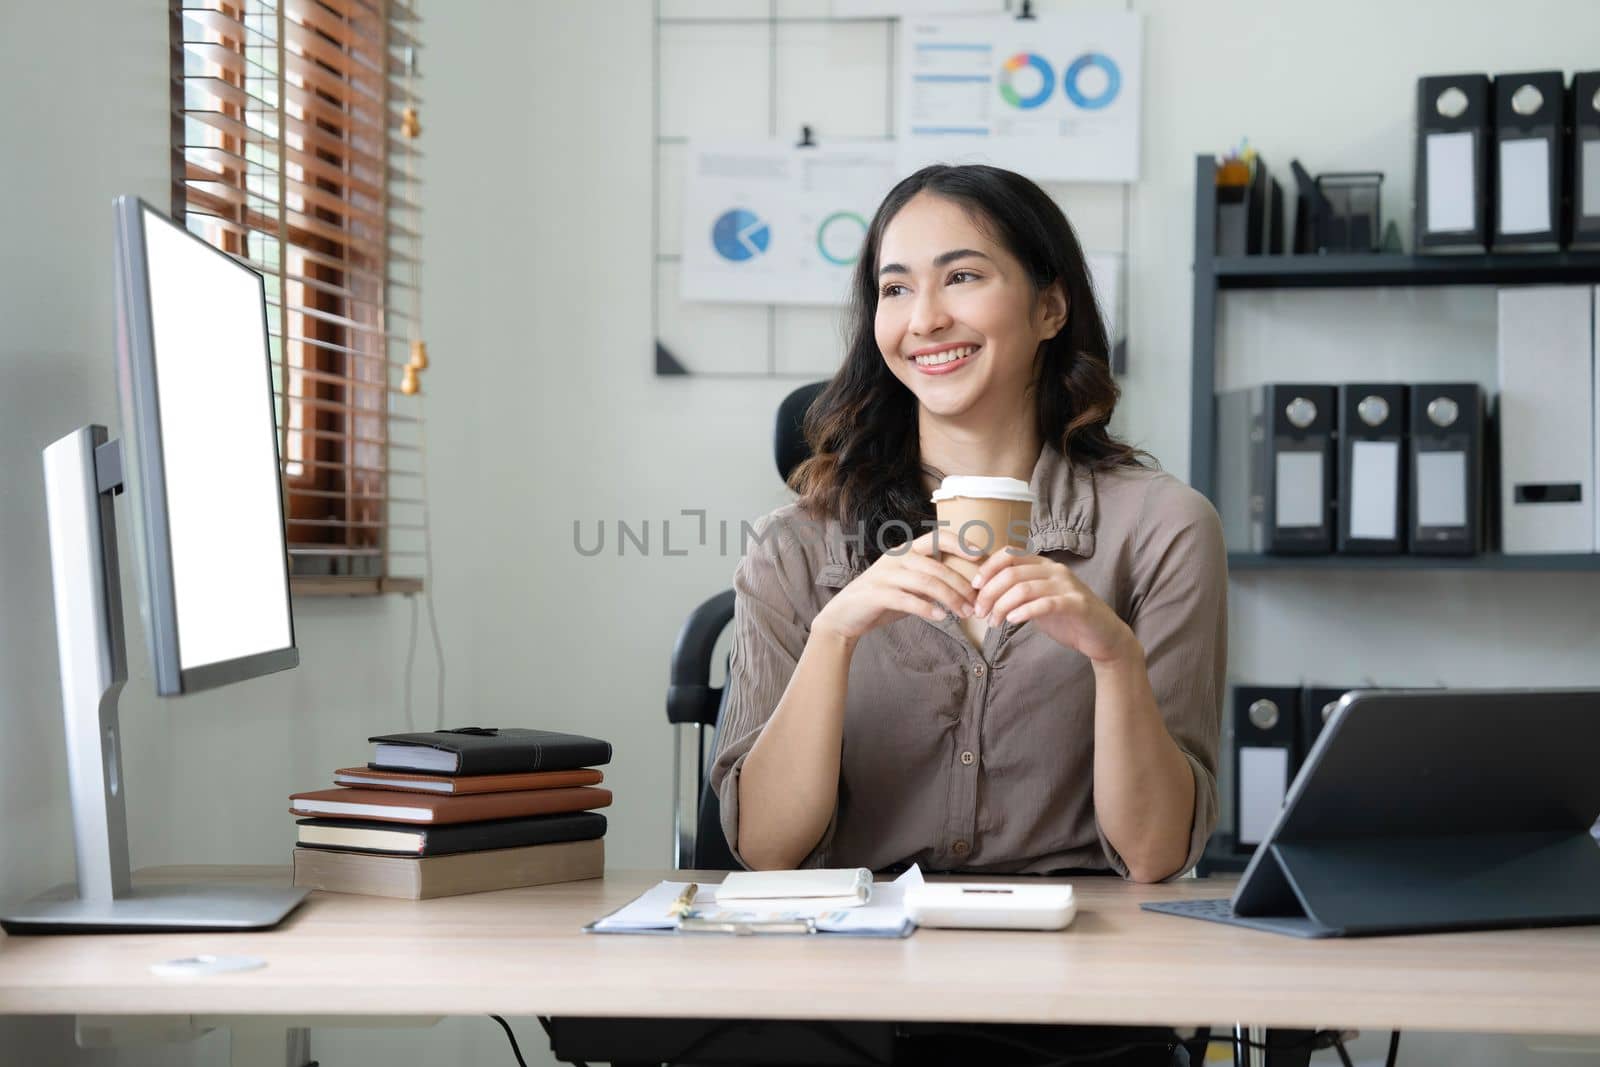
690, 696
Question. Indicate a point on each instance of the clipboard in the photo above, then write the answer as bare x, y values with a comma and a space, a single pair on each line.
652, 912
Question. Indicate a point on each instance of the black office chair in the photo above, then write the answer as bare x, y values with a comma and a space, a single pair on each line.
694, 704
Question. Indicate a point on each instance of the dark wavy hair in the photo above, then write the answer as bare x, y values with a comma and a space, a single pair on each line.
865, 467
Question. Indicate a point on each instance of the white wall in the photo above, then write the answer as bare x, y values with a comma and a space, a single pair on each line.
83, 118
543, 410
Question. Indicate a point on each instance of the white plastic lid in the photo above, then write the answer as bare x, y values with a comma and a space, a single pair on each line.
975, 487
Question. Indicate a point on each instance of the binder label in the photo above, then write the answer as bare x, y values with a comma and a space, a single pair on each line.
1263, 784
1591, 178
1441, 489
1301, 499
1451, 182
1525, 185
1374, 490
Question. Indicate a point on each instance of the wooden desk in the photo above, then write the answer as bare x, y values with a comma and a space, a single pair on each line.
521, 953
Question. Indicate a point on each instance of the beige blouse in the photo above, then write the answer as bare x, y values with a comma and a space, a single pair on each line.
961, 758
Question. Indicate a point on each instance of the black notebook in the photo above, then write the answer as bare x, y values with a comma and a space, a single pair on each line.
476, 750
356, 835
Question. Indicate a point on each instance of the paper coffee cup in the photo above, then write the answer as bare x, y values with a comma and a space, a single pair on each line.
987, 514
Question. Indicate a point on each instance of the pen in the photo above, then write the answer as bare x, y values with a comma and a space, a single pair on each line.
684, 903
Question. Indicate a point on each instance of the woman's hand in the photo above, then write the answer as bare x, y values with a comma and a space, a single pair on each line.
910, 582
1013, 587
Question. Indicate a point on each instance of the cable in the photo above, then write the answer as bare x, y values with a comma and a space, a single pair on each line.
511, 1037
427, 557
411, 131
411, 658
1394, 1048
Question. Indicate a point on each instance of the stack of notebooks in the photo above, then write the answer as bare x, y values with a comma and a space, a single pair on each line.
457, 811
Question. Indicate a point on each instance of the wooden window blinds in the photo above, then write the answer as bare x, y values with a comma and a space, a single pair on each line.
293, 148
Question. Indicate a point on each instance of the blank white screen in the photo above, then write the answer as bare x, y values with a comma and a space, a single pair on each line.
229, 560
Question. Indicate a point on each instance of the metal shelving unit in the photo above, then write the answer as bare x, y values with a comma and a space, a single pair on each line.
1214, 274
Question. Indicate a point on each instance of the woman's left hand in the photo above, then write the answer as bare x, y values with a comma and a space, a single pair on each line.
1013, 587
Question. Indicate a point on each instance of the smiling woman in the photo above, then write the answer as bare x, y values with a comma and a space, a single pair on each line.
1061, 709
1058, 712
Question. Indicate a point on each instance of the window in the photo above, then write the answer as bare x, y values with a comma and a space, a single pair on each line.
293, 149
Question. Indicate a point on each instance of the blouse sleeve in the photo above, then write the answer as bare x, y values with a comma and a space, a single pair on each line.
770, 627
1179, 613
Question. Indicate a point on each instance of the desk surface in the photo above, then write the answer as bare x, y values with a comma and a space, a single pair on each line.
521, 952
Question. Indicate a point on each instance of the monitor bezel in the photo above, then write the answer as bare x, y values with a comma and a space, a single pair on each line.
146, 471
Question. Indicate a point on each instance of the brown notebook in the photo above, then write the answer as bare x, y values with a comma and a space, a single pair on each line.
384, 805
420, 878
411, 782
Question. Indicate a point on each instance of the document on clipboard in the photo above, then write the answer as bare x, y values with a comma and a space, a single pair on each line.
656, 911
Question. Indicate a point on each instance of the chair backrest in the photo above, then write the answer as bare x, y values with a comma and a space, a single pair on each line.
692, 656
789, 446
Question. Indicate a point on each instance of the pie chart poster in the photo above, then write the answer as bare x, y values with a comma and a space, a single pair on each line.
1055, 97
769, 223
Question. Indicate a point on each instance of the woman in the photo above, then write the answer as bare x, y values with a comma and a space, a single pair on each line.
863, 725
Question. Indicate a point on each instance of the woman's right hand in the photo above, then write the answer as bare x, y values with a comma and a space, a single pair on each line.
913, 581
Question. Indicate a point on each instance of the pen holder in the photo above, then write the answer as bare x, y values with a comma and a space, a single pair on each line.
1249, 209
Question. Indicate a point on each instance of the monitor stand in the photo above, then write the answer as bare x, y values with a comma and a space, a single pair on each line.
82, 474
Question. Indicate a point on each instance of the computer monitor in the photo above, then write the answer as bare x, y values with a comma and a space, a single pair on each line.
196, 386
201, 469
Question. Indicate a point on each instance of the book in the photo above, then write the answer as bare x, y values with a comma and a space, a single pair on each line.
389, 806
426, 877
477, 750
356, 836
801, 890
457, 785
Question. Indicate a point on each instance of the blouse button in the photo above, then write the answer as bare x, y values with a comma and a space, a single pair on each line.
967, 759
960, 848
977, 670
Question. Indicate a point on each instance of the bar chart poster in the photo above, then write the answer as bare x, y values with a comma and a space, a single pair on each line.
775, 224
1054, 97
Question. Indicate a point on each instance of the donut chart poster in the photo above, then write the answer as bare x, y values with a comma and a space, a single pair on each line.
769, 223
1056, 97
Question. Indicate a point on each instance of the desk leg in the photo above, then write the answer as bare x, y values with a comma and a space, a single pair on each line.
253, 1040
266, 1042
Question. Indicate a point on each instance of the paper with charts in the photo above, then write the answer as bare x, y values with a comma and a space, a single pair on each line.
769, 223
1055, 97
